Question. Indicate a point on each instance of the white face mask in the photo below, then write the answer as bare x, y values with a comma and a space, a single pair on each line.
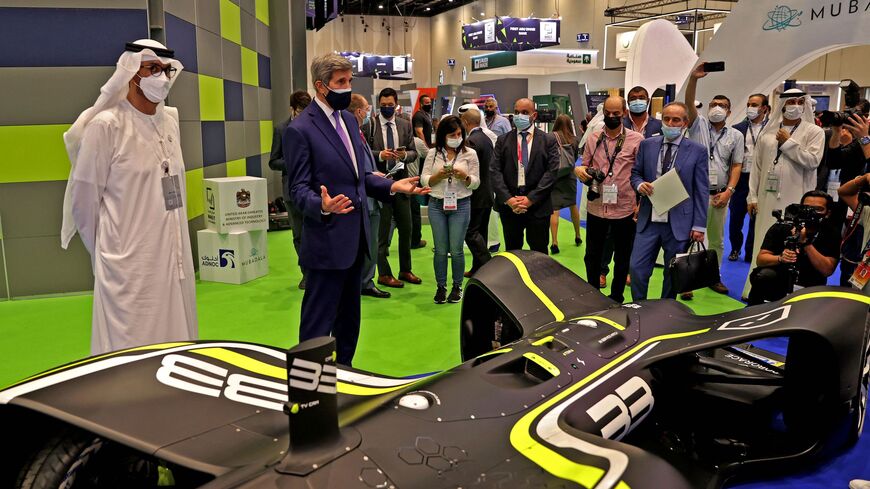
155, 88
793, 112
454, 142
752, 113
717, 114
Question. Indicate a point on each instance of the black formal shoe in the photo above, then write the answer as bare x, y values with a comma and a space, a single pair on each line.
376, 293
687, 296
441, 295
554, 249
419, 244
578, 241
734, 256
455, 294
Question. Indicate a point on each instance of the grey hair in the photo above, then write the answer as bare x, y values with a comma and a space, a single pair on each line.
323, 66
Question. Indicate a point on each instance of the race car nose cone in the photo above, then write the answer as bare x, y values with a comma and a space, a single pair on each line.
414, 401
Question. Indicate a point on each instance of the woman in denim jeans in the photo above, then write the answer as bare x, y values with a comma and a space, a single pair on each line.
452, 171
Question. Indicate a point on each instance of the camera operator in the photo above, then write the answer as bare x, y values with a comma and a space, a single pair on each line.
801, 249
854, 194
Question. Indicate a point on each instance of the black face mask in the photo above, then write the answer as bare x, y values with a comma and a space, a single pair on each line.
338, 100
489, 113
426, 108
388, 111
612, 122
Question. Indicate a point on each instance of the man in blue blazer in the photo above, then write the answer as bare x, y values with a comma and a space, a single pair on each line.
686, 221
329, 183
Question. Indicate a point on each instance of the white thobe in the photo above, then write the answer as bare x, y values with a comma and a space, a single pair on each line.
144, 289
796, 171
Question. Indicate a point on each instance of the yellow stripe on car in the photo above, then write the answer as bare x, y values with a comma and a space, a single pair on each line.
603, 320
550, 460
527, 279
831, 294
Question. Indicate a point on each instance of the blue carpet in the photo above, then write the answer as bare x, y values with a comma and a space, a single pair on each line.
836, 472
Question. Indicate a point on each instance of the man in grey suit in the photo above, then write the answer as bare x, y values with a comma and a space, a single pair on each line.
392, 141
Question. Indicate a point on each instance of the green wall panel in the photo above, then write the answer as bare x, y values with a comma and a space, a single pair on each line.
236, 168
262, 10
33, 153
266, 136
250, 74
211, 98
231, 21
194, 193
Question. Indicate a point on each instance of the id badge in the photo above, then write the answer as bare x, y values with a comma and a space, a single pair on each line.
450, 200
834, 184
521, 176
861, 276
609, 194
772, 183
171, 192
656, 217
714, 176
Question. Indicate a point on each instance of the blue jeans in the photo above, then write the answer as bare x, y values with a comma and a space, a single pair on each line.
448, 232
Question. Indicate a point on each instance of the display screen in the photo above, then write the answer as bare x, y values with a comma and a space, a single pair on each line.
511, 34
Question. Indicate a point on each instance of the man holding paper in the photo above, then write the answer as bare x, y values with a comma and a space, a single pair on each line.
672, 176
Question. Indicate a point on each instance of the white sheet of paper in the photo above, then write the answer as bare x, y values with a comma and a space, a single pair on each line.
668, 191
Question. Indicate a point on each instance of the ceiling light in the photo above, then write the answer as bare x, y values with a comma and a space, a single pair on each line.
428, 8
483, 13
380, 6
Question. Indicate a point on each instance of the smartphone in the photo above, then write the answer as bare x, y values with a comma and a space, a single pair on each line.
714, 66
400, 148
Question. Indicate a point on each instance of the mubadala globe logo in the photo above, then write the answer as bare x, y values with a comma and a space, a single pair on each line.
255, 257
782, 17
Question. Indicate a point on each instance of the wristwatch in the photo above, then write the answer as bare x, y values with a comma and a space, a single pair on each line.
732, 189
865, 140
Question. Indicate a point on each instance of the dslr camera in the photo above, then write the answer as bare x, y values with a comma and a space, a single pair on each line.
834, 118
798, 217
596, 177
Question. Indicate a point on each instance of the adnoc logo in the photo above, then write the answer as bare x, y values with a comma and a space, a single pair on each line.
782, 17
227, 258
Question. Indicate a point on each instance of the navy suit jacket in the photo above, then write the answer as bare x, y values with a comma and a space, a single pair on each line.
653, 126
691, 165
742, 126
315, 155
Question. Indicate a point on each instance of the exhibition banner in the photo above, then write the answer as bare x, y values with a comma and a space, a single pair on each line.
386, 67
511, 34
493, 60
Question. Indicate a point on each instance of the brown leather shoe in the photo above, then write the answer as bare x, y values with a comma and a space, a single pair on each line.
687, 296
468, 274
410, 278
390, 281
720, 288
602, 281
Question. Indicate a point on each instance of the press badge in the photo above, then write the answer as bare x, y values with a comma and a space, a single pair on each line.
608, 194
656, 217
714, 179
772, 184
171, 189
450, 200
521, 176
834, 185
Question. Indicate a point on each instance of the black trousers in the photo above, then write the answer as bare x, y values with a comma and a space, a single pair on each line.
331, 306
607, 255
477, 235
768, 284
536, 229
399, 208
416, 222
737, 207
597, 230
295, 217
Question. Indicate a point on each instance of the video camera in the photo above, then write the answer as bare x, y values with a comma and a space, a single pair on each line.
797, 217
834, 118
596, 177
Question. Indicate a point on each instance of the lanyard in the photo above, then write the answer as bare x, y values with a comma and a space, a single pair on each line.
752, 133
449, 163
779, 148
611, 159
715, 146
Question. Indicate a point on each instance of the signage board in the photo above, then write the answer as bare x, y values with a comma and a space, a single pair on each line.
511, 34
493, 60
583, 37
235, 204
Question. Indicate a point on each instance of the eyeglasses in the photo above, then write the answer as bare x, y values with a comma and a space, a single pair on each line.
156, 70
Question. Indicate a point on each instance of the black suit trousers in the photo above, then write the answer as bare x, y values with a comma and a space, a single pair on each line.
477, 235
597, 231
400, 208
536, 229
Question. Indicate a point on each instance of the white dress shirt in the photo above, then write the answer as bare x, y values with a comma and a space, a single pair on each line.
328, 111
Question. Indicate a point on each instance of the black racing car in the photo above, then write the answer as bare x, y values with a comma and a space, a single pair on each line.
559, 387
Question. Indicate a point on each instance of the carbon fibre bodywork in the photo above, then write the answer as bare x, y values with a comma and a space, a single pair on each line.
560, 387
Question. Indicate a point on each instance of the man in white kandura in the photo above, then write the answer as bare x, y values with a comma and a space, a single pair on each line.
126, 198
787, 154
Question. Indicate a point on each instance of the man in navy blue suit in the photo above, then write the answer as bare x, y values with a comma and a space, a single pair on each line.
329, 183
686, 221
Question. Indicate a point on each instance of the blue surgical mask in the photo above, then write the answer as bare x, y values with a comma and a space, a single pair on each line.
388, 111
671, 133
522, 121
637, 106
367, 118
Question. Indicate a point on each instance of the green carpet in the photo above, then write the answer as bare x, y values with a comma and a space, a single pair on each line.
404, 335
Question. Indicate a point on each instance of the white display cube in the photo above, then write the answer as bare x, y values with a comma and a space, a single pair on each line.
235, 204
233, 258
